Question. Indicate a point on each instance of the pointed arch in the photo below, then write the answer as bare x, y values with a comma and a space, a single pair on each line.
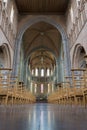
32, 21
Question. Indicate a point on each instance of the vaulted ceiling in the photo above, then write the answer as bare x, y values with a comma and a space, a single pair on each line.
42, 58
42, 6
41, 35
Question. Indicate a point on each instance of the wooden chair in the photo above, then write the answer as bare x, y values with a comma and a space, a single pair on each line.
4, 83
78, 83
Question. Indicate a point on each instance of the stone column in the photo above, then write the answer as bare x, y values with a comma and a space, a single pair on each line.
0, 12
67, 62
26, 73
29, 75
60, 70
16, 61
57, 70
84, 9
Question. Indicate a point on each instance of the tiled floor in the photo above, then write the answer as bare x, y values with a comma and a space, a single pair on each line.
43, 117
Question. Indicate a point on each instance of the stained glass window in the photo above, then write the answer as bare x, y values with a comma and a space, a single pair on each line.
42, 89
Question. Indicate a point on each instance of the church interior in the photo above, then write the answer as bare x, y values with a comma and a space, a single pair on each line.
43, 64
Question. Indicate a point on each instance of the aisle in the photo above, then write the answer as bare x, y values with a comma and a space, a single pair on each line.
43, 117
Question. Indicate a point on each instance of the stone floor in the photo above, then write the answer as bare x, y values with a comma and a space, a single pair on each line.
42, 116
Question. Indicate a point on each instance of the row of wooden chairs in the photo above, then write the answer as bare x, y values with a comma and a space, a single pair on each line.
73, 90
12, 91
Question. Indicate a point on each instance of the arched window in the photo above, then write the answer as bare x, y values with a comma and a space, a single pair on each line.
78, 2
71, 13
32, 71
5, 2
12, 14
42, 89
42, 72
48, 72
36, 72
31, 87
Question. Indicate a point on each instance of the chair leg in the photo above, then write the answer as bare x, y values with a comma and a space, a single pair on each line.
6, 100
84, 101
12, 100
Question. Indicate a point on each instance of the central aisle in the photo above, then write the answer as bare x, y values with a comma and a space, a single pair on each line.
43, 116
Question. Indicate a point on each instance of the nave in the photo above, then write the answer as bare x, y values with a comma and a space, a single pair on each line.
43, 116
43, 58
